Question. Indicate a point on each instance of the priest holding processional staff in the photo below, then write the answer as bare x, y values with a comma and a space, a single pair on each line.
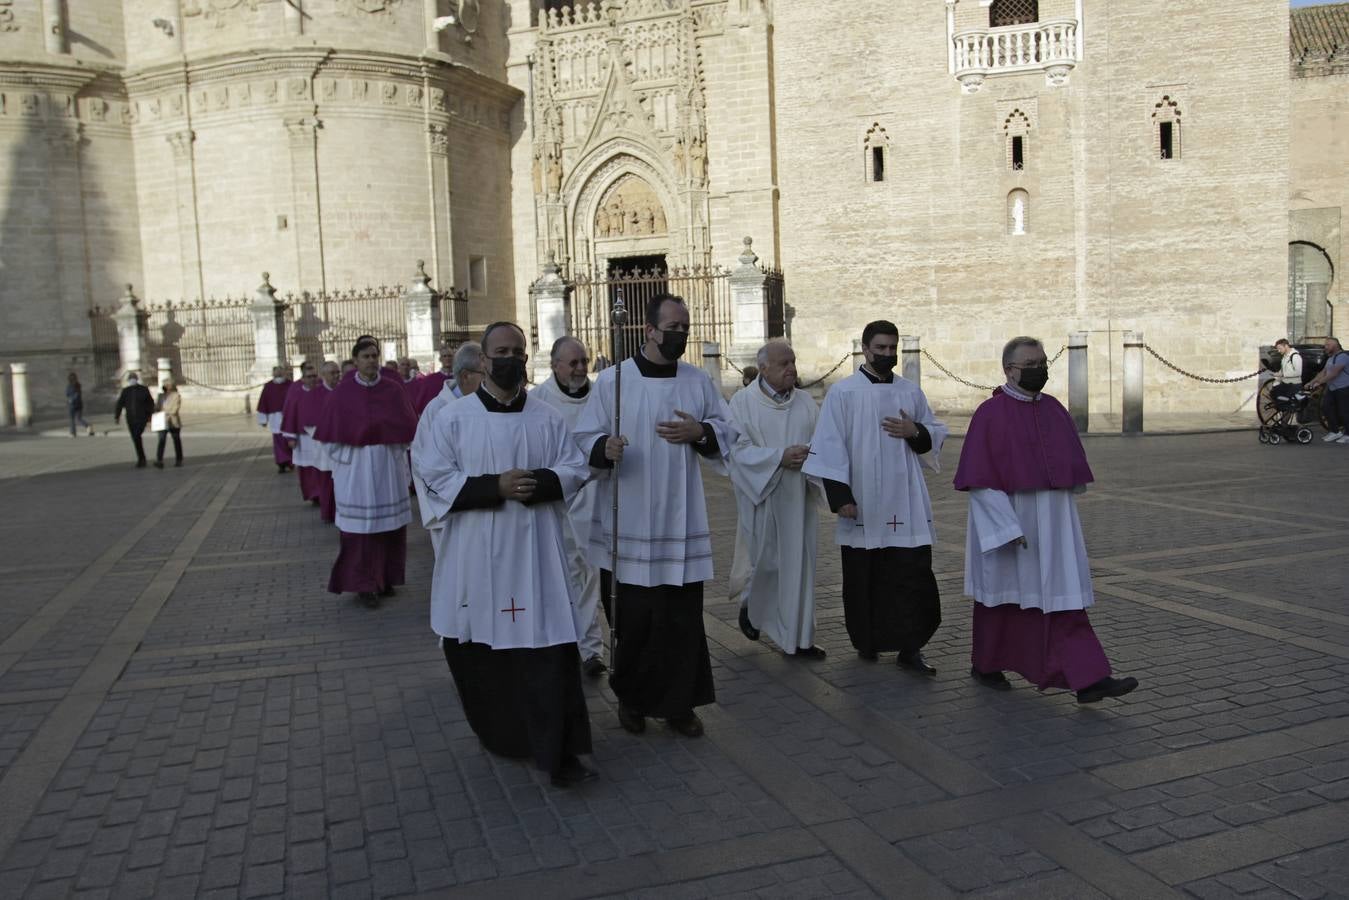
498, 467
875, 435
671, 416
776, 504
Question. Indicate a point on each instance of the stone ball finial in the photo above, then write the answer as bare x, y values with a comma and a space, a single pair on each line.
421, 267
129, 291
748, 242
267, 278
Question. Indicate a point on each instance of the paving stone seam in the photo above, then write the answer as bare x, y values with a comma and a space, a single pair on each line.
289, 670
1267, 521
1196, 549
1306, 612
1088, 859
1265, 631
27, 779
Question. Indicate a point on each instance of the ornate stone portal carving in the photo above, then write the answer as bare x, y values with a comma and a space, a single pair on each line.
630, 208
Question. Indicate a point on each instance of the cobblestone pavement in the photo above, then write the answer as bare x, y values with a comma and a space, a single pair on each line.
184, 710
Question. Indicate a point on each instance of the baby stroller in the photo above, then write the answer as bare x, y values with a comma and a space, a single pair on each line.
1289, 404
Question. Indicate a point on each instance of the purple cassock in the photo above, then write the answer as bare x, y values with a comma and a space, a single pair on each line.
271, 407
424, 390
1030, 611
366, 428
302, 412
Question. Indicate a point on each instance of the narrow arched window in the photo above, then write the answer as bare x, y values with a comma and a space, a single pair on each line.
1002, 13
1166, 129
1016, 132
876, 153
1018, 212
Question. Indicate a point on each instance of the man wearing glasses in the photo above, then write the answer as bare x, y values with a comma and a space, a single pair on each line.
1025, 561
671, 415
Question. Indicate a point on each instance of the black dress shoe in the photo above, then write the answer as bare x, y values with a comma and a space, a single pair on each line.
387, 592
370, 599
594, 667
177, 463
571, 773
995, 680
159, 464
632, 722
915, 662
811, 652
746, 627
688, 725
140, 464
1106, 687
868, 655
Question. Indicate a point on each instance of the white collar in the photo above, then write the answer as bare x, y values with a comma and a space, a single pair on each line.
363, 383
1017, 393
776, 397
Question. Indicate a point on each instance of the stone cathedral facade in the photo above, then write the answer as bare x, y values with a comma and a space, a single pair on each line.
970, 169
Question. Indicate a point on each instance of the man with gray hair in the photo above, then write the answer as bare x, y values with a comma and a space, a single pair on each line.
469, 371
778, 521
1025, 561
566, 391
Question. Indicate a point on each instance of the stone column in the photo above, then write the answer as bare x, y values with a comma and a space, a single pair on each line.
421, 306
911, 359
130, 334
6, 419
549, 292
189, 256
1077, 379
712, 363
306, 224
1132, 417
164, 370
269, 331
294, 18
54, 26
749, 313
23, 405
857, 358
438, 174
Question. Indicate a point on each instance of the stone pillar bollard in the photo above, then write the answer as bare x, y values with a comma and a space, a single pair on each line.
1132, 417
164, 370
6, 419
388, 351
1077, 380
857, 358
421, 306
269, 331
911, 359
130, 334
712, 362
23, 404
749, 305
549, 293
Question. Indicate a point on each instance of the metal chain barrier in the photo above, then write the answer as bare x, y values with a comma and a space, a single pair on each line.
987, 388
739, 371
1175, 368
822, 378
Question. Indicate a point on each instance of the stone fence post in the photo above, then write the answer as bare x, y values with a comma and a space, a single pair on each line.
1132, 410
6, 419
164, 366
23, 404
1077, 380
858, 359
130, 322
712, 362
549, 293
911, 359
269, 331
421, 306
749, 300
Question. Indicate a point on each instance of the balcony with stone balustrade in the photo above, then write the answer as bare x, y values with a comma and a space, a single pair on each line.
1048, 46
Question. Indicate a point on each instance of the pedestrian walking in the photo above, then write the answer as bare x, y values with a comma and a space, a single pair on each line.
75, 405
170, 404
136, 402
271, 408
1335, 404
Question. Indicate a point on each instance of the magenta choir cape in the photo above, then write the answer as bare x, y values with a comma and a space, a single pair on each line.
424, 390
361, 416
1013, 446
302, 411
271, 403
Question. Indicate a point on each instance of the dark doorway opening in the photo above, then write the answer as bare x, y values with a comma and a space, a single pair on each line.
637, 266
639, 278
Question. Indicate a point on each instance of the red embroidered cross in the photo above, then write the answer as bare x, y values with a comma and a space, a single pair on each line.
513, 609
894, 523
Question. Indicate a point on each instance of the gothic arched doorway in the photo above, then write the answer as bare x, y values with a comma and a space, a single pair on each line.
1310, 273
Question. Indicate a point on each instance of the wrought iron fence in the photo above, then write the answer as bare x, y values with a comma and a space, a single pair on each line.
107, 349
706, 291
325, 325
208, 343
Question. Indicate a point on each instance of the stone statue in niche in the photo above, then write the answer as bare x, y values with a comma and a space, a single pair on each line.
698, 161
1019, 215
602, 224
536, 172
554, 172
617, 216
648, 220
680, 159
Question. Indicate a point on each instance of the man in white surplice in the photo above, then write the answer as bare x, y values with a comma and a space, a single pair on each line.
1025, 559
566, 391
468, 373
876, 432
499, 467
672, 414
778, 518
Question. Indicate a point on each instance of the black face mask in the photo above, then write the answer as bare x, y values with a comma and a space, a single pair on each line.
1033, 379
672, 344
884, 364
508, 372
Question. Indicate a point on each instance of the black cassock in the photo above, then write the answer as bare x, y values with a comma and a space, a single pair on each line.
890, 598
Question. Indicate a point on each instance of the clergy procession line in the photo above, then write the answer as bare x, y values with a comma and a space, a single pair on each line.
520, 491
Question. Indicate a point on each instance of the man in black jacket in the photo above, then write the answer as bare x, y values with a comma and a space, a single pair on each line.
139, 405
